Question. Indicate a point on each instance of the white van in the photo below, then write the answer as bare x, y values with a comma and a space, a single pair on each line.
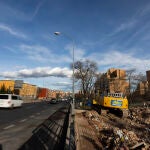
10, 101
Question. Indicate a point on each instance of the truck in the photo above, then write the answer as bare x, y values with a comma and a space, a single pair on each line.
111, 102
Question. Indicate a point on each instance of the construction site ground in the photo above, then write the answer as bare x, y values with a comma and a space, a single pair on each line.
109, 132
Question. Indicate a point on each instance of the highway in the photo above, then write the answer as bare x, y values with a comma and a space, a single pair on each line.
16, 125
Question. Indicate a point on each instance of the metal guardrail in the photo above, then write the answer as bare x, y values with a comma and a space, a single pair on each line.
51, 134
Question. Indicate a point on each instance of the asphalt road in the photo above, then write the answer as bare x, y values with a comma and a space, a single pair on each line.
28, 109
16, 125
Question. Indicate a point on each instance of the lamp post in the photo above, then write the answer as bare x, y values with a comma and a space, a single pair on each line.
73, 89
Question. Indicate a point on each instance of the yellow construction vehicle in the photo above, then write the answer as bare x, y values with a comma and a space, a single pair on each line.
111, 102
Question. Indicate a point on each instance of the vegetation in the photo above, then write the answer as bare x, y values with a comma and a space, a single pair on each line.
87, 78
85, 75
134, 80
4, 90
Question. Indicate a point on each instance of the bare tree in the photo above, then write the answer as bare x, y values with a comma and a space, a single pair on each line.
141, 78
130, 76
135, 79
134, 83
85, 74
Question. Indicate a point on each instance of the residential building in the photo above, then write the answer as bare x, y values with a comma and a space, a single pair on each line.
9, 85
142, 88
28, 91
114, 80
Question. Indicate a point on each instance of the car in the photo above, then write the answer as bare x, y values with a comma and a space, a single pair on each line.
53, 101
10, 101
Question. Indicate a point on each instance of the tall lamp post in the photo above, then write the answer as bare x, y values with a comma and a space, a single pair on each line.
73, 89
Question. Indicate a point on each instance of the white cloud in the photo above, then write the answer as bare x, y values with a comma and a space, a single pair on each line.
124, 26
114, 58
66, 86
53, 83
38, 6
145, 10
11, 31
38, 72
120, 60
10, 49
19, 67
43, 54
62, 84
79, 53
133, 20
104, 60
36, 52
20, 14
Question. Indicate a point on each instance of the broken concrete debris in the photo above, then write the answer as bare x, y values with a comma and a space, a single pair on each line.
122, 133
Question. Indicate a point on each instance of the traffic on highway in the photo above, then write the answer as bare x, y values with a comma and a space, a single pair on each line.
17, 124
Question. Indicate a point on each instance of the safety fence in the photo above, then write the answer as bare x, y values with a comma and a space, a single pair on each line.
51, 134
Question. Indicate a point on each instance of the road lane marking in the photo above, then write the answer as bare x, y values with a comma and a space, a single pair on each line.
23, 120
38, 113
10, 126
32, 116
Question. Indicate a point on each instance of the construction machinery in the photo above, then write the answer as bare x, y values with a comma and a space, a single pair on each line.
111, 102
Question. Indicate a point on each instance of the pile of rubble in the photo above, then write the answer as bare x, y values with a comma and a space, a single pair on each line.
140, 115
122, 134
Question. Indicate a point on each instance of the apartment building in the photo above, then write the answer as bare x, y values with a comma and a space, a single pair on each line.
28, 91
114, 80
19, 87
142, 88
8, 84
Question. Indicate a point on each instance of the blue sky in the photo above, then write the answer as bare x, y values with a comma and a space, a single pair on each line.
111, 33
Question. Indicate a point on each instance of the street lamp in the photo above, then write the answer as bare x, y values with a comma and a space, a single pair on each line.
73, 89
